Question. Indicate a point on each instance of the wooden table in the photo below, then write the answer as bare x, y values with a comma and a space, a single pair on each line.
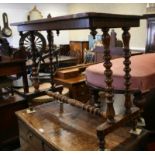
11, 67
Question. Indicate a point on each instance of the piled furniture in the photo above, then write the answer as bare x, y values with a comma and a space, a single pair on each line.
109, 122
11, 62
11, 66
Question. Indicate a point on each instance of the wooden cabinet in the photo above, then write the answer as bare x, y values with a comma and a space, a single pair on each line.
9, 127
71, 130
80, 92
48, 129
150, 42
31, 141
64, 49
77, 87
77, 49
72, 78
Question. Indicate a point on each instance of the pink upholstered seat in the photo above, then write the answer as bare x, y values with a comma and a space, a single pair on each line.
142, 72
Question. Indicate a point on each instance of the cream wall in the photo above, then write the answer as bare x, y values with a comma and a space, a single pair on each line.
138, 38
18, 12
56, 10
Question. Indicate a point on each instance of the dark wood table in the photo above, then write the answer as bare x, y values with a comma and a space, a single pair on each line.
11, 67
92, 21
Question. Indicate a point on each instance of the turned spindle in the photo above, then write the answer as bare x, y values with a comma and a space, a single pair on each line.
101, 138
50, 39
21, 43
127, 69
110, 113
93, 33
73, 102
35, 79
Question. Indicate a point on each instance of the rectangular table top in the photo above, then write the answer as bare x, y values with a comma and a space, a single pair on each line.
87, 20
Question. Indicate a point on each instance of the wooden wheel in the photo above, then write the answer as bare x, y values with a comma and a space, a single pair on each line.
40, 43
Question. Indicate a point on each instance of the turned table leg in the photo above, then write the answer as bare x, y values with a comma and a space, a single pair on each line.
101, 138
127, 69
110, 113
94, 97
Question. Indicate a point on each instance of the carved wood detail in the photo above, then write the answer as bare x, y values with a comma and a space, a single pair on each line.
110, 113
35, 79
86, 107
127, 69
50, 39
93, 33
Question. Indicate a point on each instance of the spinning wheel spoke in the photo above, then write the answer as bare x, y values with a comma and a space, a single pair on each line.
37, 38
28, 49
27, 44
26, 40
40, 45
28, 37
39, 41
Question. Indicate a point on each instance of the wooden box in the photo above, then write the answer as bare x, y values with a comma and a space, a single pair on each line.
67, 73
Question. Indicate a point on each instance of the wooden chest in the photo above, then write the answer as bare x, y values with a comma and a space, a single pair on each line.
72, 78
68, 73
71, 130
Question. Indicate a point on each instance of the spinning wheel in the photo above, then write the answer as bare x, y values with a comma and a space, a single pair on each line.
41, 52
39, 41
